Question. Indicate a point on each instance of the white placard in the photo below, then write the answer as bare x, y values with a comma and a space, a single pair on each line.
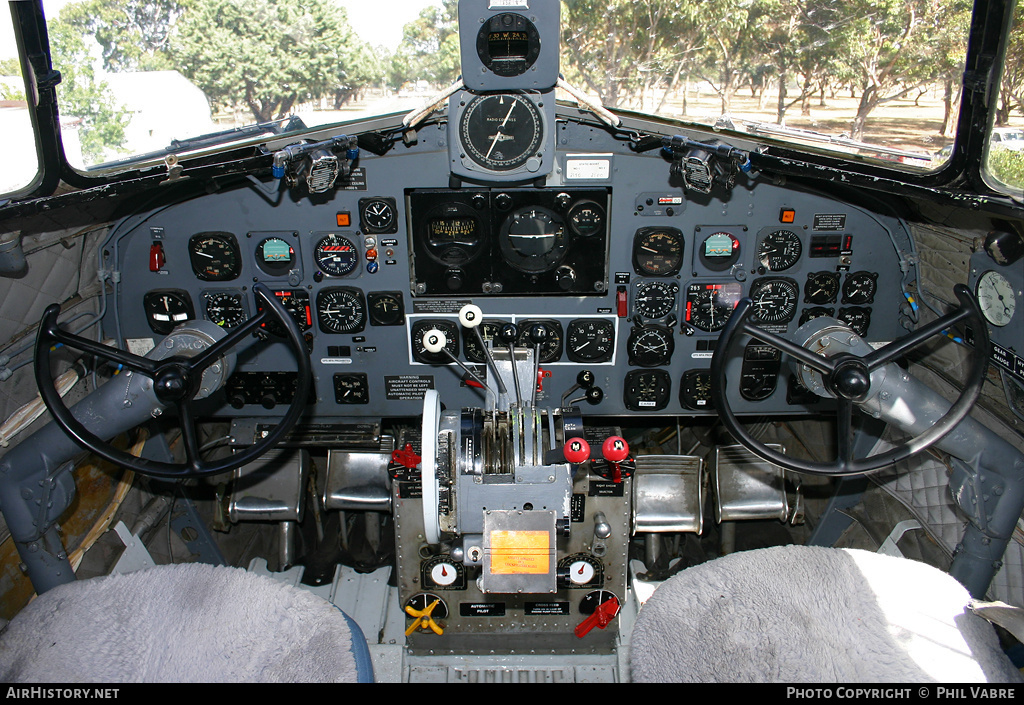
589, 168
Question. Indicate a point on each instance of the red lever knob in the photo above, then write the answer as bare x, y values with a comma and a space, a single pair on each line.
406, 457
615, 449
577, 450
602, 616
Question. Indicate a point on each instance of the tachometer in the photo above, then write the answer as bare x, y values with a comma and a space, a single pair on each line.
657, 252
471, 346
775, 300
296, 303
336, 255
779, 250
341, 310
214, 256
860, 288
590, 340
821, 287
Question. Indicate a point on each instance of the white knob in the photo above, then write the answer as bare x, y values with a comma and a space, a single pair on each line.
434, 340
470, 316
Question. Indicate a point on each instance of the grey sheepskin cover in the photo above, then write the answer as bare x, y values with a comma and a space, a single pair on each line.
190, 623
810, 614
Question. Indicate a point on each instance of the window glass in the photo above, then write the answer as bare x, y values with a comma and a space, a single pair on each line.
16, 133
1005, 161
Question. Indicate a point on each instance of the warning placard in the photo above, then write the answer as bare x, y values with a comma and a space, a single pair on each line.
520, 553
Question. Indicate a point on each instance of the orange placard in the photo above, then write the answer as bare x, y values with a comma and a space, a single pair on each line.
520, 552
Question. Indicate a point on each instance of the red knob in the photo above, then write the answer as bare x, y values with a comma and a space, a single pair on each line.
615, 449
577, 450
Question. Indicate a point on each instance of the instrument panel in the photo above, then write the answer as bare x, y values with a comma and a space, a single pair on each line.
609, 269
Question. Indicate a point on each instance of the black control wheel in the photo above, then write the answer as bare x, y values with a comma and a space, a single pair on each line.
848, 378
176, 382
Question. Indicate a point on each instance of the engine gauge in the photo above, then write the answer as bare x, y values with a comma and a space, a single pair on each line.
378, 215
775, 300
336, 255
709, 306
857, 318
502, 131
650, 346
166, 309
646, 390
351, 388
551, 348
996, 298
813, 312
471, 346
386, 308
420, 353
695, 390
214, 256
860, 288
719, 251
225, 308
590, 340
275, 256
341, 309
821, 287
655, 299
442, 573
779, 250
586, 218
580, 570
657, 252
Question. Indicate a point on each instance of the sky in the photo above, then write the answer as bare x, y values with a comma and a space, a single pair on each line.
378, 22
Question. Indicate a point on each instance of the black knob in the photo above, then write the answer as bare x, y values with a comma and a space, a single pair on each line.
538, 334
478, 200
503, 201
594, 395
851, 380
508, 333
453, 279
237, 401
268, 401
563, 201
565, 277
585, 379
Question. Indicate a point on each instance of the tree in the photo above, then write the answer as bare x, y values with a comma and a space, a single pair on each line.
1011, 87
133, 34
268, 55
430, 48
82, 95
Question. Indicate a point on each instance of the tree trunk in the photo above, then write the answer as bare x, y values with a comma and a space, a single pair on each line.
780, 112
868, 102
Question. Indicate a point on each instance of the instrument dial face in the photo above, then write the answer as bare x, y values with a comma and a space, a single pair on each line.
821, 287
341, 310
996, 298
420, 353
351, 388
533, 240
647, 390
657, 252
586, 218
655, 299
719, 251
336, 255
590, 340
471, 346
650, 346
443, 573
860, 288
551, 348
501, 132
709, 306
580, 570
386, 308
378, 215
296, 303
695, 390
224, 308
275, 256
813, 312
215, 256
779, 250
857, 318
775, 300
166, 309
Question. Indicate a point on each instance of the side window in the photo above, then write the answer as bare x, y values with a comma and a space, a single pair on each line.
1005, 161
17, 137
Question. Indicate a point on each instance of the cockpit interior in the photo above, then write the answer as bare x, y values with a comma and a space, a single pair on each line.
522, 386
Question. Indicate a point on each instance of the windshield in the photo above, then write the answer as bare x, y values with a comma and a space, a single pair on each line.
875, 78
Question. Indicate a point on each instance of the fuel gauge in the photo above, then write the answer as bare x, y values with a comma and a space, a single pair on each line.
580, 570
442, 573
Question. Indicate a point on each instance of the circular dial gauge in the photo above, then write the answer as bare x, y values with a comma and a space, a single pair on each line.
857, 318
995, 298
860, 288
335, 255
471, 346
214, 256
650, 346
647, 390
420, 353
166, 309
386, 308
695, 390
377, 215
813, 312
533, 240
590, 340
719, 251
551, 347
709, 306
453, 234
657, 252
580, 570
296, 303
442, 572
821, 287
351, 388
501, 132
225, 309
275, 256
775, 300
586, 218
655, 299
779, 250
341, 310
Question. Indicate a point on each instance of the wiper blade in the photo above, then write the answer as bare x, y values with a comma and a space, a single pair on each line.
877, 150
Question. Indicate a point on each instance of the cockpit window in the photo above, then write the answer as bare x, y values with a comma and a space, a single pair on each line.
1005, 163
18, 136
865, 79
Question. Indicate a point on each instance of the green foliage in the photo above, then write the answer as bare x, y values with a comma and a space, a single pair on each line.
10, 67
1007, 165
430, 48
133, 34
82, 95
263, 54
